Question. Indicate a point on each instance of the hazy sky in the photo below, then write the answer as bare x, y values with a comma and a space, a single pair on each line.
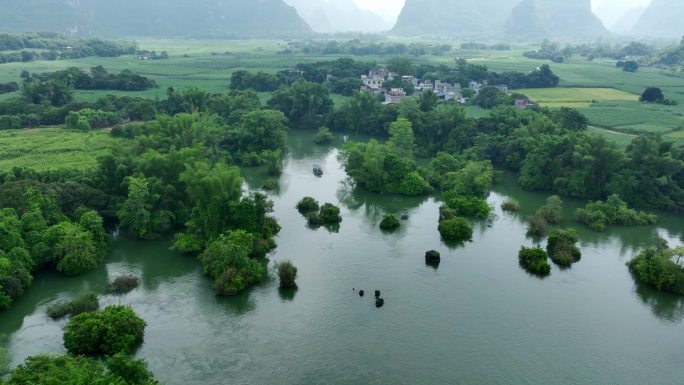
393, 7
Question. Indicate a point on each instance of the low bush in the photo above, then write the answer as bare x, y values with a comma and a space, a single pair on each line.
510, 205
534, 261
455, 229
552, 211
270, 184
614, 211
537, 226
122, 285
470, 206
562, 247
389, 223
85, 303
307, 205
324, 136
287, 273
330, 214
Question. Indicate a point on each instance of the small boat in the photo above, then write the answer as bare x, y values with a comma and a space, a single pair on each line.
317, 170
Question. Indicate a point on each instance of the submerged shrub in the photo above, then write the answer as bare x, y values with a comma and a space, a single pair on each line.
307, 205
287, 273
270, 184
510, 205
562, 247
537, 226
614, 211
122, 285
324, 136
390, 223
534, 261
330, 214
660, 268
552, 211
470, 206
227, 260
455, 229
85, 303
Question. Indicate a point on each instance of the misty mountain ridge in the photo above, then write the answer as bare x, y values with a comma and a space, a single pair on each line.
326, 16
662, 18
496, 18
555, 18
181, 18
454, 17
625, 24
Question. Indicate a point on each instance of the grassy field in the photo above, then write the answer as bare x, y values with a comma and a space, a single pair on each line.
576, 97
54, 148
619, 138
608, 109
604, 93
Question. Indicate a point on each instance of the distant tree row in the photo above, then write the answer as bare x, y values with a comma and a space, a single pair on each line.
552, 51
98, 78
357, 47
59, 47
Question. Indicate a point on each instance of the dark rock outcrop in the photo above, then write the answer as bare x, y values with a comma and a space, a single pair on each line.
433, 256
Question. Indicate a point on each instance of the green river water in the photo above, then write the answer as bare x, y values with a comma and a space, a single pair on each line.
476, 319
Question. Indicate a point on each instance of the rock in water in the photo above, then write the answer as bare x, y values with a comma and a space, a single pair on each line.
361, 293
433, 256
377, 294
379, 302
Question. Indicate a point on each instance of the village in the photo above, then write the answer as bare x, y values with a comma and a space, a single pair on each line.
374, 83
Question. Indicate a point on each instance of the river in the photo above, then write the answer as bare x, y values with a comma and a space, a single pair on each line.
476, 319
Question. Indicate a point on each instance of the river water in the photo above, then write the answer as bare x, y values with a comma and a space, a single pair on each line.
476, 319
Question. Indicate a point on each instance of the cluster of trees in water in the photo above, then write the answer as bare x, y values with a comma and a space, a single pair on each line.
98, 343
40, 234
55, 46
661, 267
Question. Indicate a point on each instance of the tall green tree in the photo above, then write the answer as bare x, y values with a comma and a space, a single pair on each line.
402, 138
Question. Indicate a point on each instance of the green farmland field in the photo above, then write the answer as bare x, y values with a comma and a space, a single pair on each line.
575, 97
54, 148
